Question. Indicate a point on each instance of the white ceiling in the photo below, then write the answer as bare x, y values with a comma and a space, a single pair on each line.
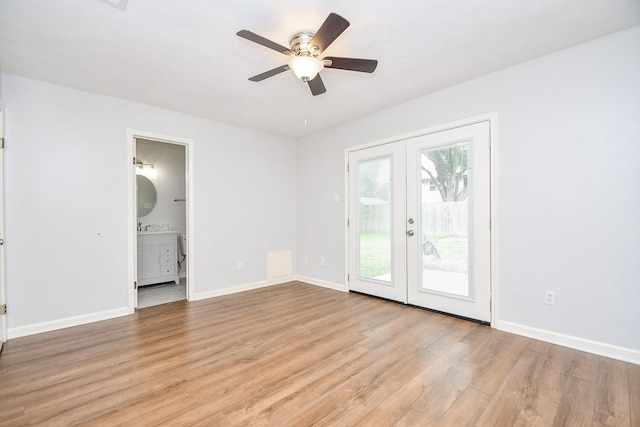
184, 55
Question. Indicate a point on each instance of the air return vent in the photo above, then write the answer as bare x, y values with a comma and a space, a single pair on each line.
278, 264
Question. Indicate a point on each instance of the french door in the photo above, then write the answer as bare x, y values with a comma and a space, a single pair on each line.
377, 211
419, 221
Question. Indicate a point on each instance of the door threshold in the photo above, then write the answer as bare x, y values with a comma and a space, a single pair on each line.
469, 319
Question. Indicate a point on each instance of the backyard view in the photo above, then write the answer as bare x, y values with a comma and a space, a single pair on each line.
375, 260
444, 219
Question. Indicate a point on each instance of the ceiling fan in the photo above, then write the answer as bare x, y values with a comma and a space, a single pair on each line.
305, 47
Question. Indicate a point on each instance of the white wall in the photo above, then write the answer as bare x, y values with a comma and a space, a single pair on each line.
566, 207
567, 191
66, 201
169, 165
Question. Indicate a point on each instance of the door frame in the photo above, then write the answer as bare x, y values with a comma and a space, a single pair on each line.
3, 269
132, 246
492, 118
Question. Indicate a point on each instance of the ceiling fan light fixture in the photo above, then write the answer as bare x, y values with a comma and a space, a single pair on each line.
305, 67
303, 51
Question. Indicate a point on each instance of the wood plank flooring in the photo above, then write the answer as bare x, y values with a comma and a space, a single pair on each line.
300, 355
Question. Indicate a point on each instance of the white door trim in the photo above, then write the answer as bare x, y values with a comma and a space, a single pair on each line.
3, 281
492, 118
132, 134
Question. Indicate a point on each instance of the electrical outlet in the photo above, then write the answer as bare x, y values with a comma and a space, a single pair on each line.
323, 262
240, 266
306, 260
549, 297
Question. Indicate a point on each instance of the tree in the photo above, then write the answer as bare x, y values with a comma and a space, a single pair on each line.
450, 171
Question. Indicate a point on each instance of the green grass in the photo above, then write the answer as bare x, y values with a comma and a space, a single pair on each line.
375, 253
453, 254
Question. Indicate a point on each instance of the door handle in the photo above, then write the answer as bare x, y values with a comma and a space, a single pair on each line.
410, 233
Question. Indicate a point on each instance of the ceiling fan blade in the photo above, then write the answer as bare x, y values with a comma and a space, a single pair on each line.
352, 64
264, 42
270, 73
316, 86
330, 29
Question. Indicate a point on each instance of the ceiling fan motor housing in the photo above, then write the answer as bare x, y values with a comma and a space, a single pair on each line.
305, 63
300, 43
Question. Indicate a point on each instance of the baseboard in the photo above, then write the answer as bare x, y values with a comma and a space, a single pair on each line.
595, 347
54, 325
241, 288
335, 286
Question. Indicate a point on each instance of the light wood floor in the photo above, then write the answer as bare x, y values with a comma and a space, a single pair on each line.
300, 355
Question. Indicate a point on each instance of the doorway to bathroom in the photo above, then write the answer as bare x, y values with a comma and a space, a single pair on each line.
161, 232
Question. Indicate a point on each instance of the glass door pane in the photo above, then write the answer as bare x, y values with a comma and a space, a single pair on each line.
374, 182
444, 215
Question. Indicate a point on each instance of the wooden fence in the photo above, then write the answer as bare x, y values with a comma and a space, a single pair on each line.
438, 219
375, 218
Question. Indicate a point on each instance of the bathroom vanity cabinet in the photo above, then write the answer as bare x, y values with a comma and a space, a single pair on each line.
157, 257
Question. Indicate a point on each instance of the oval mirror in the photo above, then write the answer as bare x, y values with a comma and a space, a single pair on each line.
147, 195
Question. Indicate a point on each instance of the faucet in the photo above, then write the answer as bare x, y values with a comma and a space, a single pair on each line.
139, 225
